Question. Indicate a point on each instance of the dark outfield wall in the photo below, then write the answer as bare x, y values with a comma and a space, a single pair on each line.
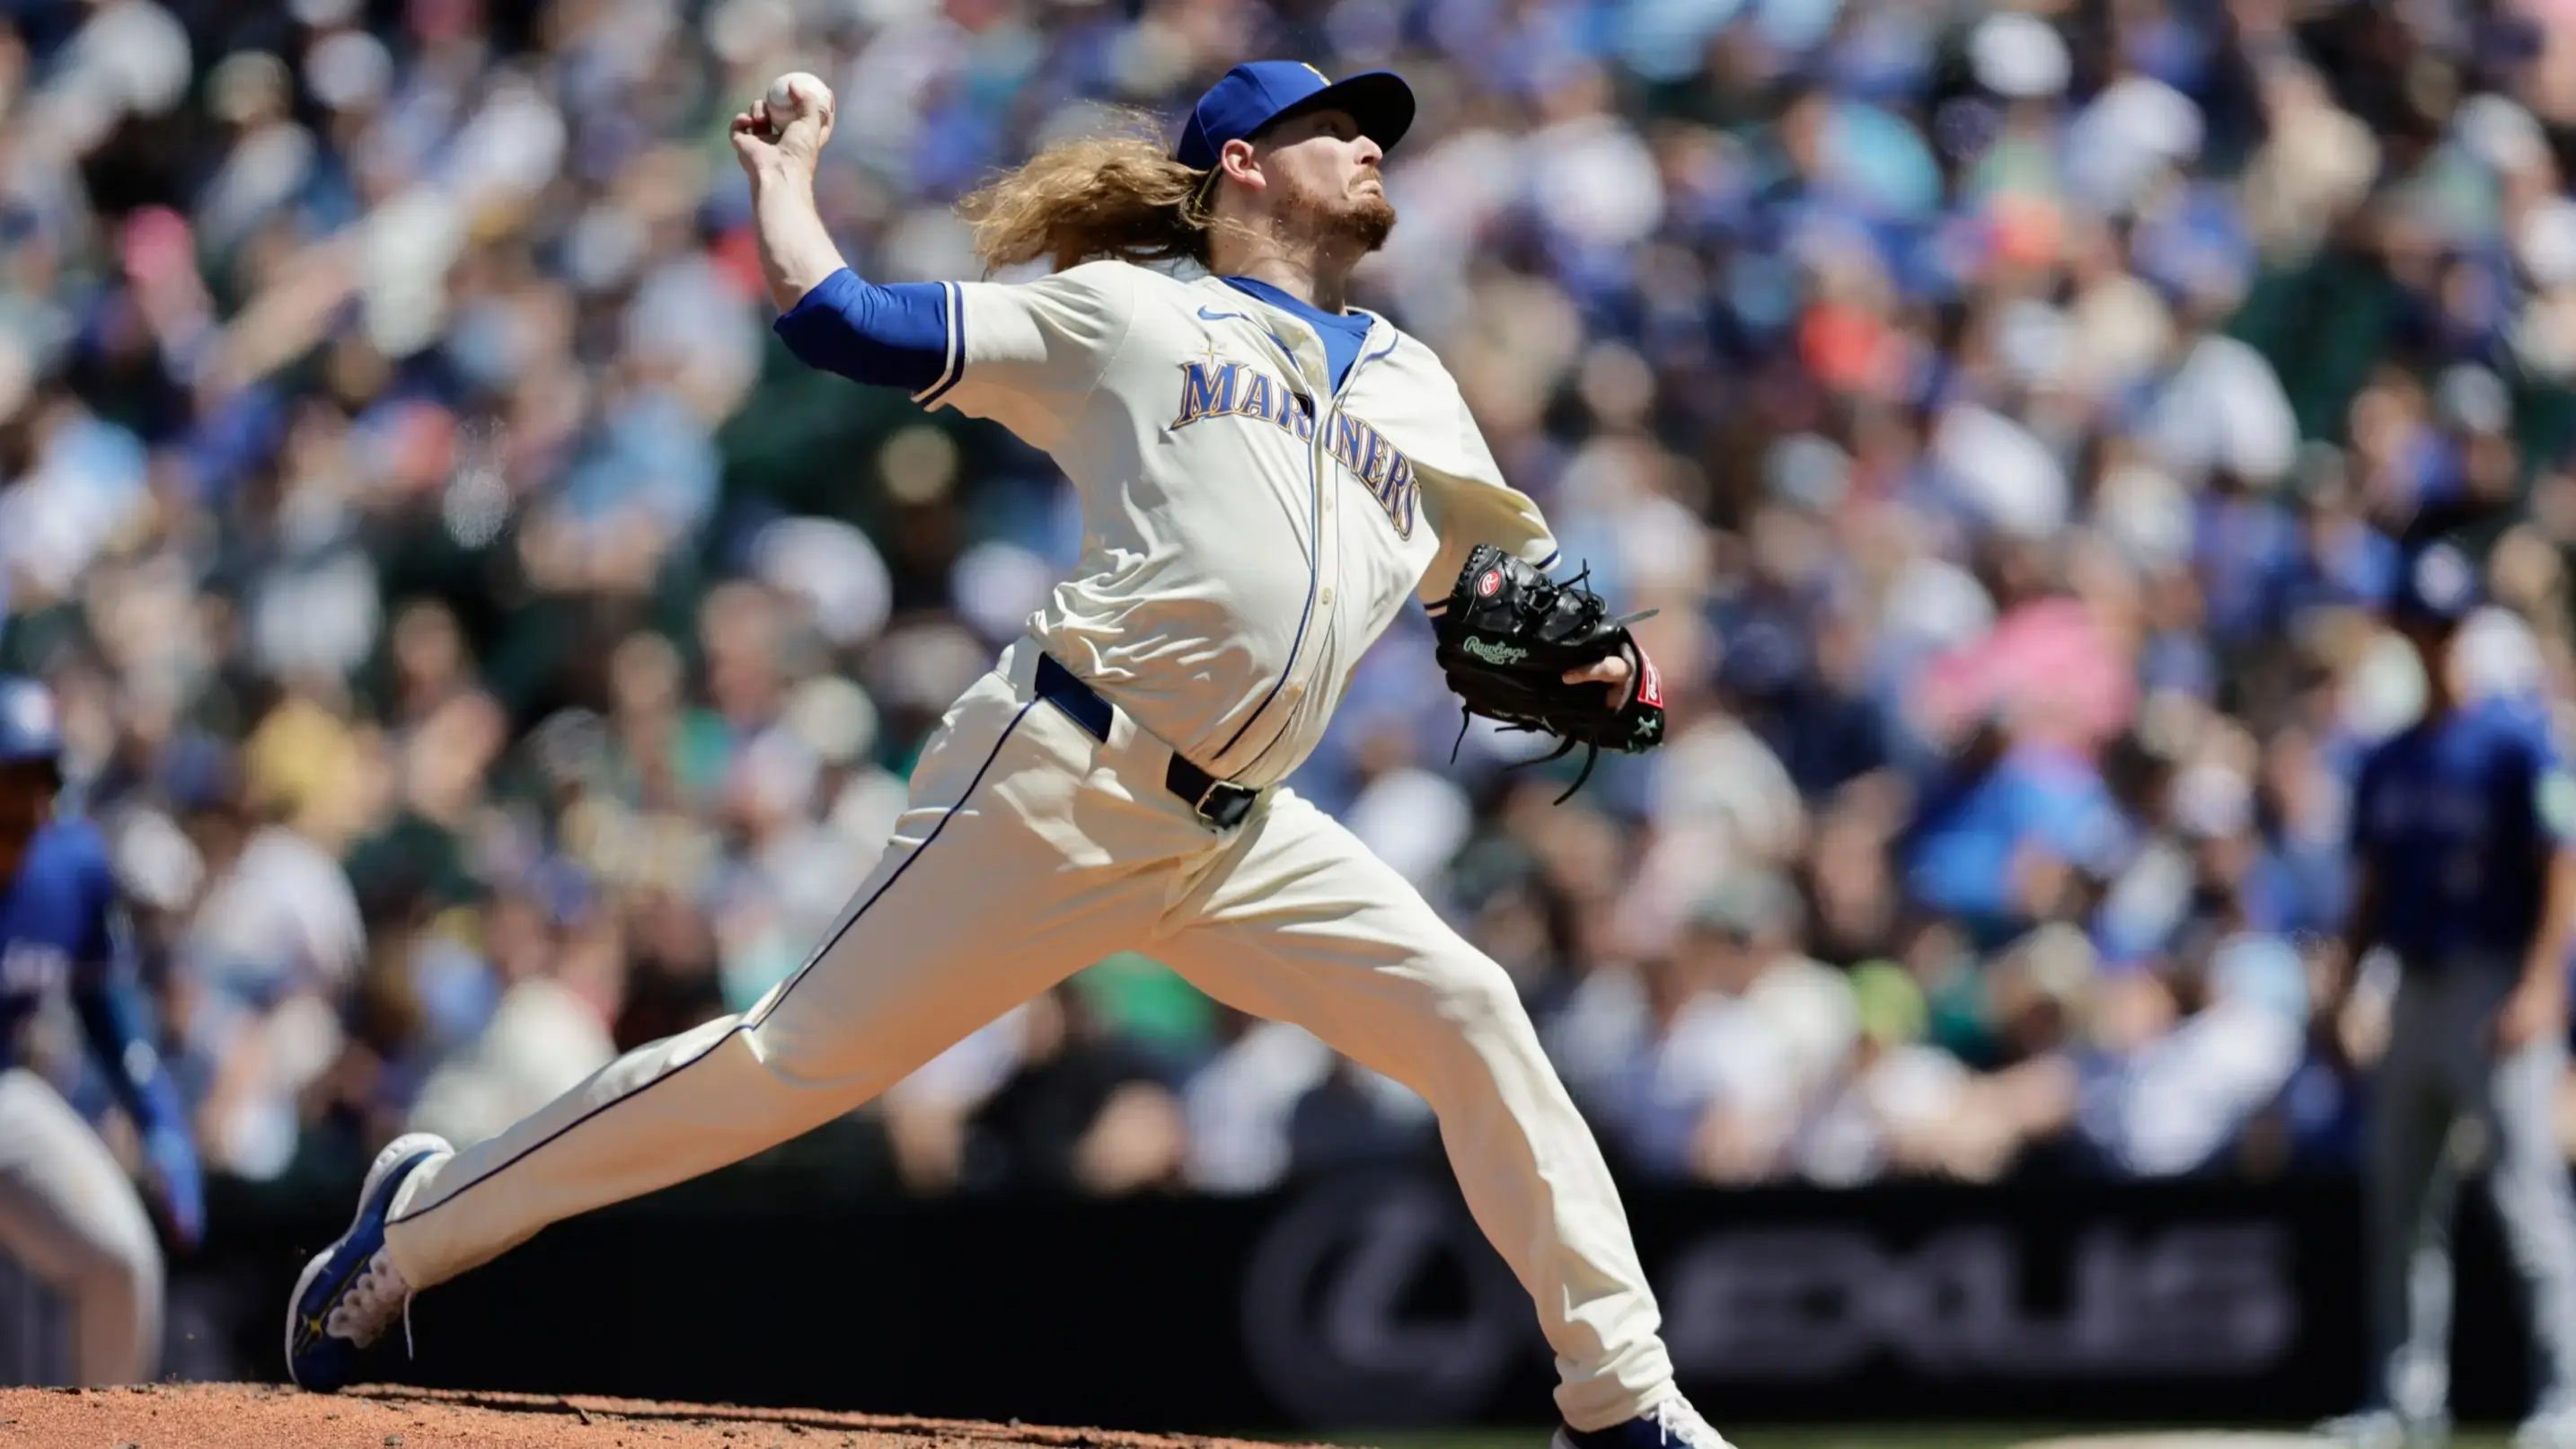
1372, 1301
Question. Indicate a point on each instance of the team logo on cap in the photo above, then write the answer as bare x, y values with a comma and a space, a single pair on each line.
30, 713
1491, 584
2443, 578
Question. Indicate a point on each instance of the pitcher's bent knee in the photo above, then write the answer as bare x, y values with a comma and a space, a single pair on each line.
1474, 993
1488, 1031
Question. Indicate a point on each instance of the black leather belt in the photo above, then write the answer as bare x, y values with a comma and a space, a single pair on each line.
1220, 803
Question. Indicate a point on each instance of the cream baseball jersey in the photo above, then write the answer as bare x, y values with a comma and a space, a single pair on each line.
1249, 528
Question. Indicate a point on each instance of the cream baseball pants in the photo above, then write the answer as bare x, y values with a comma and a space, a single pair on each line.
70, 1217
1029, 850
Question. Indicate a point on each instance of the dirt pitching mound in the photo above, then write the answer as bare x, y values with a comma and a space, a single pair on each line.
261, 1416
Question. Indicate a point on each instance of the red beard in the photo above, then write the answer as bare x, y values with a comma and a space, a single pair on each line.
1369, 220
1365, 220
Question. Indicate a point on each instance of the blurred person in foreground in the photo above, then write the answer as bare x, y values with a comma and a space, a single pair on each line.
67, 1212
1220, 607
2461, 831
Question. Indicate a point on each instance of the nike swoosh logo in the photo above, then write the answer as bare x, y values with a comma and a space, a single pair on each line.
1206, 315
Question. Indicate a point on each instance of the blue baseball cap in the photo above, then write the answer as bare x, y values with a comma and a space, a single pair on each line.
2439, 583
1258, 93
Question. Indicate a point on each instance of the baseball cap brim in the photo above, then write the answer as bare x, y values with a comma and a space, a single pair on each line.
1378, 100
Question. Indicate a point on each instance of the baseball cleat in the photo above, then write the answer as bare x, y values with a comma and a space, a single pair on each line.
351, 1292
1671, 1424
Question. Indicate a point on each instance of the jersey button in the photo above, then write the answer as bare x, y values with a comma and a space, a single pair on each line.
1328, 598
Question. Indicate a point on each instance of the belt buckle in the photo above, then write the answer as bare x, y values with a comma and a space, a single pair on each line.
1228, 812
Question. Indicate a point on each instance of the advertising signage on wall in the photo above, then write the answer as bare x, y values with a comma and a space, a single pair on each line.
1374, 1301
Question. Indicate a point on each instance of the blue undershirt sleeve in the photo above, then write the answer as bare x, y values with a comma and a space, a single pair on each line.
885, 336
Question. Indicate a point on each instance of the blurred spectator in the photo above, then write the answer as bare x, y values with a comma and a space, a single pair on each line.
559, 979
1081, 1113
2181, 1096
1737, 1035
487, 651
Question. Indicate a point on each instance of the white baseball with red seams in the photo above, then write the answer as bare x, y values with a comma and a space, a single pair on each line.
791, 95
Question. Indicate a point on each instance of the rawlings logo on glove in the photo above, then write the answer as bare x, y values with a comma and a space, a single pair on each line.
1510, 636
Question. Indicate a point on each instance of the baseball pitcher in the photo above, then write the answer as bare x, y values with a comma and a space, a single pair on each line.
67, 1212
1267, 476
2461, 829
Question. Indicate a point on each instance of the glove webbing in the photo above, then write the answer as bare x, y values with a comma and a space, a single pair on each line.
1541, 601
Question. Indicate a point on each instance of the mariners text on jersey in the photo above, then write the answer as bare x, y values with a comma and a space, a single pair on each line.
1238, 390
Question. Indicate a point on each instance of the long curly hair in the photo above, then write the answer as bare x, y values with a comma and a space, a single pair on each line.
1118, 196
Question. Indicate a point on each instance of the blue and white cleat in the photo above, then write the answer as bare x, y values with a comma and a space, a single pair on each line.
351, 1292
1671, 1424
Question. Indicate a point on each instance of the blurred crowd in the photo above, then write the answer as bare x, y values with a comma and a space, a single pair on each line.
488, 650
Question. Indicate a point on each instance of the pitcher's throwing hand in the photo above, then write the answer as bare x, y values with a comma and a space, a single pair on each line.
792, 122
